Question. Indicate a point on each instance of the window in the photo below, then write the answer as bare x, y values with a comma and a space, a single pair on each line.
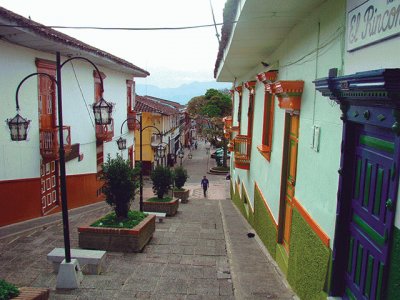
250, 85
130, 95
268, 122
47, 94
97, 85
239, 116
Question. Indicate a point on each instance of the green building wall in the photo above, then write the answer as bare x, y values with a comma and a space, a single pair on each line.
309, 261
393, 291
309, 264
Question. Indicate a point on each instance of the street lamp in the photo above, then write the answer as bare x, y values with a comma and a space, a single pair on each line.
18, 130
122, 145
181, 154
160, 150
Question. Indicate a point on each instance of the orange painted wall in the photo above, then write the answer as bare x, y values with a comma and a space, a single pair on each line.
81, 190
20, 199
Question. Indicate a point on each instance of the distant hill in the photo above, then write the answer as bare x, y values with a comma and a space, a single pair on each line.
181, 94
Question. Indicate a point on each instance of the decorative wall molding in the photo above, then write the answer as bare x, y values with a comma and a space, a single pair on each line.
289, 94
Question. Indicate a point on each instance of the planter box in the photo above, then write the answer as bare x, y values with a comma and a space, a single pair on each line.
30, 293
118, 239
170, 208
183, 195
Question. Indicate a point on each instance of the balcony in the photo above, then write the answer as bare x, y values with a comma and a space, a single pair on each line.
105, 133
227, 123
49, 142
131, 120
242, 148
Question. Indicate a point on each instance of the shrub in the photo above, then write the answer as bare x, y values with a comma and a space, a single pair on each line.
120, 184
7, 290
180, 177
162, 180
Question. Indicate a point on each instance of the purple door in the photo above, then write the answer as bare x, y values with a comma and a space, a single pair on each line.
371, 211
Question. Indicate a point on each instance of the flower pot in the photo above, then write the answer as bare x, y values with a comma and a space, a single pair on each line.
170, 208
183, 195
117, 239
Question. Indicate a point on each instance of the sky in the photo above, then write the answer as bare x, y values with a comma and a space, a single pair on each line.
173, 57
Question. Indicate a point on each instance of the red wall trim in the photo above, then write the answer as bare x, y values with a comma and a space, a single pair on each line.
315, 227
267, 207
20, 199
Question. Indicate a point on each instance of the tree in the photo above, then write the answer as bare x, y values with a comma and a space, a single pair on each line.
210, 109
162, 180
120, 182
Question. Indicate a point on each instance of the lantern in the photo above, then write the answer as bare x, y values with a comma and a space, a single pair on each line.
102, 112
121, 143
18, 128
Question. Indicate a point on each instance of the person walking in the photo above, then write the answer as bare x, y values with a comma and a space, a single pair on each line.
205, 184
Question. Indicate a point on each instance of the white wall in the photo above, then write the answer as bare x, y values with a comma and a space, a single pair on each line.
319, 40
22, 159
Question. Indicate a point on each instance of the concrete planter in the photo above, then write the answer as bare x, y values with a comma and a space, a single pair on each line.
31, 293
183, 195
170, 208
118, 239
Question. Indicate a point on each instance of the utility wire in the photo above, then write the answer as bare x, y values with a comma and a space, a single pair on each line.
114, 28
80, 88
215, 24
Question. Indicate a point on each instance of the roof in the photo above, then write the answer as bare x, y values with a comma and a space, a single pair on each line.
253, 30
25, 32
146, 104
174, 104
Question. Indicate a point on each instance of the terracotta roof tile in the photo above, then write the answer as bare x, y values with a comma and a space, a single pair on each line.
147, 104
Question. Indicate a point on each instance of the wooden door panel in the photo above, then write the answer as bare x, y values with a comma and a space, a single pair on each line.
49, 185
291, 141
370, 218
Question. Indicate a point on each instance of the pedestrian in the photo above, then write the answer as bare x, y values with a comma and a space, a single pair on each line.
195, 145
205, 184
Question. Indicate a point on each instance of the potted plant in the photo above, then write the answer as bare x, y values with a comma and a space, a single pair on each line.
162, 179
180, 177
122, 230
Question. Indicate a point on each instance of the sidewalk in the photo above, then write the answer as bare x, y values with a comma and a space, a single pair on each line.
201, 253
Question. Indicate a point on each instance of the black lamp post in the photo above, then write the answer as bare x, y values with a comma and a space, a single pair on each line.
122, 145
19, 126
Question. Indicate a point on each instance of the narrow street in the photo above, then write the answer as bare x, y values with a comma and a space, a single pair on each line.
201, 253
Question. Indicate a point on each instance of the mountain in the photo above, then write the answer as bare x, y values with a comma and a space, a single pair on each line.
183, 93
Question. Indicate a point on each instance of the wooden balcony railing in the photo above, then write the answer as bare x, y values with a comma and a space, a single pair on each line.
49, 142
242, 148
131, 120
228, 123
105, 133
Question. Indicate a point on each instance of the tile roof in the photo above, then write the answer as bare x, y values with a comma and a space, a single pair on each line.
19, 30
147, 104
167, 102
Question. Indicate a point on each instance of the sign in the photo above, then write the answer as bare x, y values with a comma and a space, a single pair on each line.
372, 21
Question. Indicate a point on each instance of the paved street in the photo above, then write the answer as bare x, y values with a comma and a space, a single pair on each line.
201, 253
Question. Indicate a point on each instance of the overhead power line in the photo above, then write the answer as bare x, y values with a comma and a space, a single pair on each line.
115, 28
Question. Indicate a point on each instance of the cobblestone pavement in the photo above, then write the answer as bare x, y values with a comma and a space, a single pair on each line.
201, 253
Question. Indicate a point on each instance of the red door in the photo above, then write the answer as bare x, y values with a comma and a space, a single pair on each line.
50, 186
49, 171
